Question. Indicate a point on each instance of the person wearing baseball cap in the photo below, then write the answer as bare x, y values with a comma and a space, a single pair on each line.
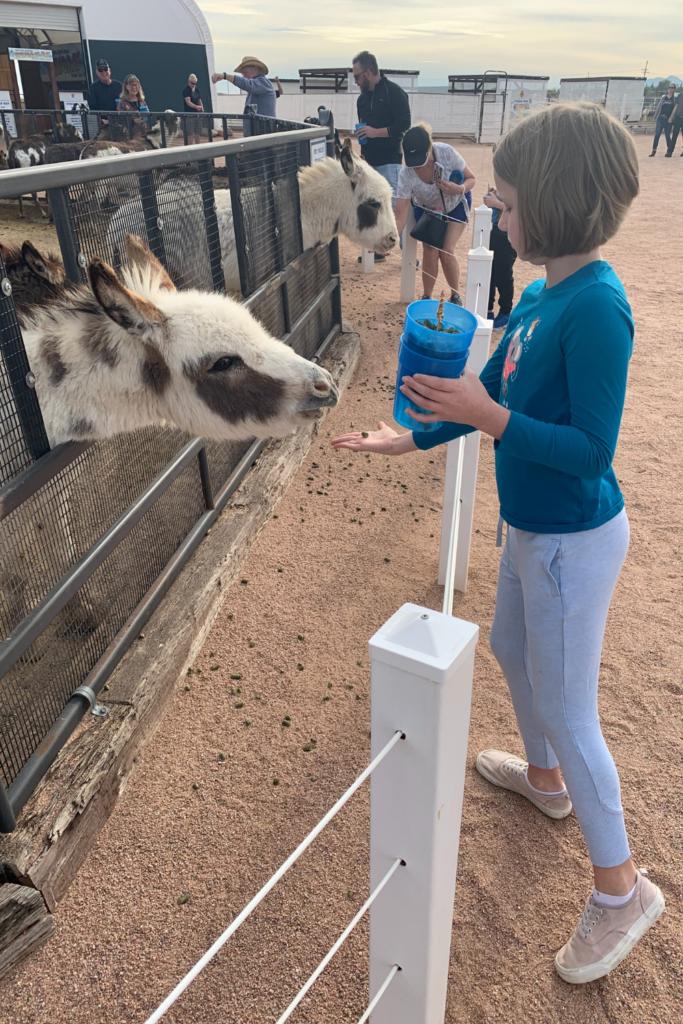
436, 180
250, 75
104, 93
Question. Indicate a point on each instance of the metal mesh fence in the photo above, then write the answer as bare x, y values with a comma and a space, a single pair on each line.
234, 222
45, 537
303, 289
22, 433
270, 231
171, 209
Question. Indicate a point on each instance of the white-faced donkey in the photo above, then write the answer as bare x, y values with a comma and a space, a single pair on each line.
118, 356
345, 196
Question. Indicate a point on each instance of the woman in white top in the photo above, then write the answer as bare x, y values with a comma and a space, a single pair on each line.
417, 184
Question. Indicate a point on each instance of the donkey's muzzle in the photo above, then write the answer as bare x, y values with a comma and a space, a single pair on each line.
320, 399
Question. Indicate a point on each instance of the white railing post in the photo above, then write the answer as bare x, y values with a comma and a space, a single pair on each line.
481, 227
408, 259
368, 261
422, 664
479, 263
479, 354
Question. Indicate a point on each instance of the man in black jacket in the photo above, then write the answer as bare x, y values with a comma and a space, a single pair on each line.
384, 109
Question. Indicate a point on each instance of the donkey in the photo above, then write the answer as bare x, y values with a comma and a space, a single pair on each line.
36, 278
151, 139
31, 152
344, 196
121, 356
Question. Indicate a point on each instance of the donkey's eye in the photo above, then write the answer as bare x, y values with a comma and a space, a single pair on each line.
224, 363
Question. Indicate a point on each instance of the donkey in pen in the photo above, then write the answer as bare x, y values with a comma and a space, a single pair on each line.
116, 357
32, 152
344, 196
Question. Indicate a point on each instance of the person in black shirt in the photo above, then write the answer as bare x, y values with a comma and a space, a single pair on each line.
663, 114
676, 119
384, 109
192, 101
104, 93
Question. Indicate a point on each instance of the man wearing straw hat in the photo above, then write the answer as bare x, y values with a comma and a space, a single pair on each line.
250, 76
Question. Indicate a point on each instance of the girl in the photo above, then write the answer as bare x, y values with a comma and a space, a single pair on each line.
418, 183
552, 396
133, 98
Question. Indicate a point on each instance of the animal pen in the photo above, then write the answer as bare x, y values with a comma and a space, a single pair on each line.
93, 534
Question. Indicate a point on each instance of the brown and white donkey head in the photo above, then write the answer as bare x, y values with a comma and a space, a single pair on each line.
127, 354
349, 197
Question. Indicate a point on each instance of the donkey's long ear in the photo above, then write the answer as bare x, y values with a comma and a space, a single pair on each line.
141, 259
346, 157
49, 268
124, 307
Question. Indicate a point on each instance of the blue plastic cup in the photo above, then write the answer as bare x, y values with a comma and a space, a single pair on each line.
144, 108
362, 124
432, 352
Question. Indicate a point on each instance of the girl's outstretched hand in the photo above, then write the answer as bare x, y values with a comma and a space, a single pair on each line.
384, 441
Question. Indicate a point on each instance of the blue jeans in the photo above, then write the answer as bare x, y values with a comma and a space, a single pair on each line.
554, 592
391, 173
662, 125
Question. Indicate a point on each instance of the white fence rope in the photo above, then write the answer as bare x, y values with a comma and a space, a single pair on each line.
340, 941
384, 986
271, 883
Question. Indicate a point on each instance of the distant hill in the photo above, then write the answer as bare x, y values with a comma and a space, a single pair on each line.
660, 78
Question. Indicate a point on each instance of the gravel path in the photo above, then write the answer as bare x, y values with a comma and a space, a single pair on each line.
225, 789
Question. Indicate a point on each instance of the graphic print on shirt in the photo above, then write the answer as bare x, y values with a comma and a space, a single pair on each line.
515, 350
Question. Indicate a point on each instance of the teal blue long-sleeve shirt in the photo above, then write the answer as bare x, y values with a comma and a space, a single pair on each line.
561, 370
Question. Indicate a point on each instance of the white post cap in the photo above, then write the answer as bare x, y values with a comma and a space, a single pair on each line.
424, 642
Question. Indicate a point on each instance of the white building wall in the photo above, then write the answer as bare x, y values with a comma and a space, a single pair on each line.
625, 99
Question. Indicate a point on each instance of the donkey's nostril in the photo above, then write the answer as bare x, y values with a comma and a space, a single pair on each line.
322, 385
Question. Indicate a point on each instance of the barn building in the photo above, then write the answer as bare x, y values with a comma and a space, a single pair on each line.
48, 51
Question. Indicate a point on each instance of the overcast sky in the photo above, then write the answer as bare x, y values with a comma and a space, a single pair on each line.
555, 37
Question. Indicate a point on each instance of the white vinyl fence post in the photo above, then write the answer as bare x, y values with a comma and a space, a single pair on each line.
479, 354
408, 260
368, 261
422, 665
479, 261
481, 227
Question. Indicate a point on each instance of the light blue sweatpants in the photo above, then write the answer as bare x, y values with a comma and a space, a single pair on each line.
554, 592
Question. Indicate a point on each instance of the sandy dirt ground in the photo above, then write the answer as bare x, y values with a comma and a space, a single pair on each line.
226, 789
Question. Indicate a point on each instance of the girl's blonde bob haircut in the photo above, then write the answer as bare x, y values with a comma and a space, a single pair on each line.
575, 170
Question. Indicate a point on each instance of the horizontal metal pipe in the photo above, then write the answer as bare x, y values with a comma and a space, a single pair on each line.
21, 638
7, 818
76, 172
43, 757
320, 352
30, 480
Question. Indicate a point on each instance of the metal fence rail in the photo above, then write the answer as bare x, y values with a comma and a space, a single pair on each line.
92, 535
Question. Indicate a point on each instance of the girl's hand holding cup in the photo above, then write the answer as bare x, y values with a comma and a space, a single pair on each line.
456, 400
